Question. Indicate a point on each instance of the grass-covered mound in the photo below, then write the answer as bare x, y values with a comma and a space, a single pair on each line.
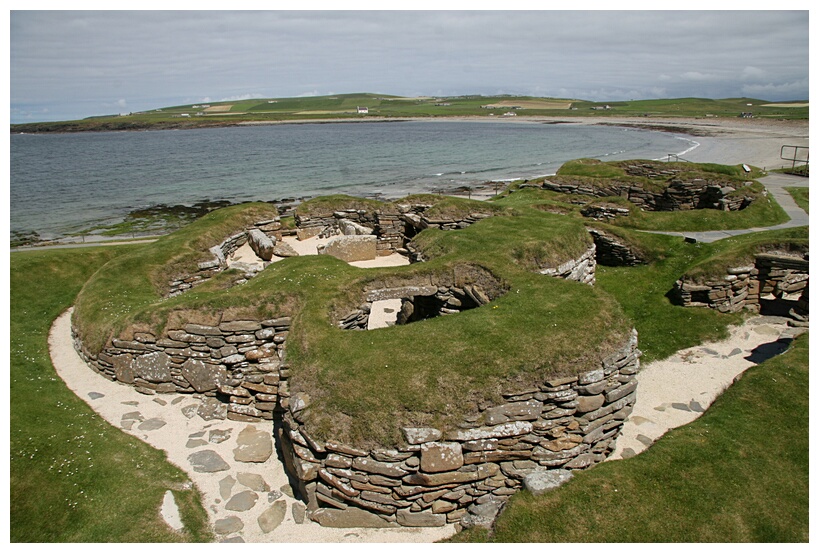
141, 278
365, 385
654, 177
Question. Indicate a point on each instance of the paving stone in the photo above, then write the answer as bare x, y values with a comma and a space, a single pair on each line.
160, 401
219, 436
152, 424
253, 481
273, 495
645, 440
195, 442
226, 486
228, 525
680, 406
253, 446
212, 409
270, 519
627, 453
242, 501
190, 411
95, 395
288, 491
207, 461
696, 407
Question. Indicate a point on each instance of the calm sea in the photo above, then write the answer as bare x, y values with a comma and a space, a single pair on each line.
63, 183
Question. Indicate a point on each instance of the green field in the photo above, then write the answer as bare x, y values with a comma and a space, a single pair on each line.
344, 107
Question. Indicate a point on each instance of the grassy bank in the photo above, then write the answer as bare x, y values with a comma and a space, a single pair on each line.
800, 196
73, 477
739, 473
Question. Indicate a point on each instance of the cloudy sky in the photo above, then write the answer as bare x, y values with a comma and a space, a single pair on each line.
70, 65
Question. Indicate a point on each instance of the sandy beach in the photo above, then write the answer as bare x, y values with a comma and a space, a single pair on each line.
698, 375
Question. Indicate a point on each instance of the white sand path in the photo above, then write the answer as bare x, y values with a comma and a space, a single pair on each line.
181, 436
675, 391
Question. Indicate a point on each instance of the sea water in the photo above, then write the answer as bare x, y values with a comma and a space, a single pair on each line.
62, 183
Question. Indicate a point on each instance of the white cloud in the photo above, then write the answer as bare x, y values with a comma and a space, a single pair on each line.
695, 76
241, 97
751, 72
797, 90
76, 62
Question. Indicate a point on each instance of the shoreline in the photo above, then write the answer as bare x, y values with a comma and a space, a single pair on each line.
724, 141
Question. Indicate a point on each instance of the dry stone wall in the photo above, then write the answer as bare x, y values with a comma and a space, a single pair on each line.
440, 476
772, 277
612, 252
678, 196
238, 363
221, 252
581, 269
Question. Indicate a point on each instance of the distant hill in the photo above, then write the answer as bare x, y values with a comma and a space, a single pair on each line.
364, 106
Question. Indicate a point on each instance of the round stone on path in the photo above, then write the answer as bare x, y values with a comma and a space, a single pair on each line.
228, 525
207, 461
242, 501
273, 516
253, 446
170, 512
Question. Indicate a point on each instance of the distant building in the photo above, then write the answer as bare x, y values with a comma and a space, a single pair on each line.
601, 107
362, 110
509, 114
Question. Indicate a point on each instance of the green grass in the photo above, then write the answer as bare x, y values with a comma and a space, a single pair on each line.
343, 107
73, 477
641, 291
763, 212
739, 473
800, 196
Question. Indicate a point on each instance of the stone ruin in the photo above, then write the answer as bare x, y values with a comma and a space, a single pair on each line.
679, 194
775, 283
436, 476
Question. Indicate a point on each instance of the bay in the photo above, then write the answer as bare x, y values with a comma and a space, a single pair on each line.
64, 183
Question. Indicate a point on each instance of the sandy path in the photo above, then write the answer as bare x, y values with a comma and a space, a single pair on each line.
677, 390
180, 436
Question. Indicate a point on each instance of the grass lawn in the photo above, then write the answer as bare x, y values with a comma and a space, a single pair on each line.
739, 473
73, 477
800, 196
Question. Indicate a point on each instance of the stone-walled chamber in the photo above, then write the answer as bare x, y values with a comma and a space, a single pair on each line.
436, 476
